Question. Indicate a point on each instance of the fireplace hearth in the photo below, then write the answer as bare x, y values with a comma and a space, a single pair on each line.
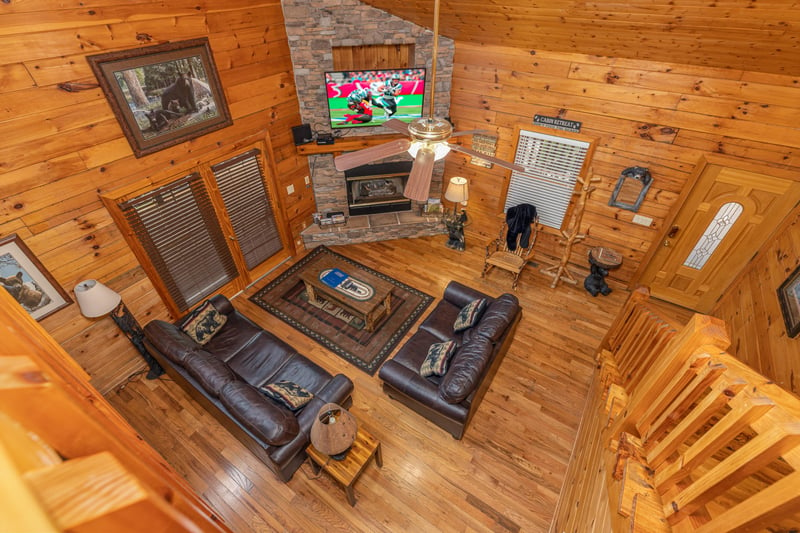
373, 189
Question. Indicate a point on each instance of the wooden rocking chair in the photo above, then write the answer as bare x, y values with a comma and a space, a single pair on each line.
499, 255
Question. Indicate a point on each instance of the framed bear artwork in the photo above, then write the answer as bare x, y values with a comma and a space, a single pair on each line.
163, 95
27, 280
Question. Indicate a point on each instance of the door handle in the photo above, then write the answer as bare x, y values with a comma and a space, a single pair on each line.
672, 232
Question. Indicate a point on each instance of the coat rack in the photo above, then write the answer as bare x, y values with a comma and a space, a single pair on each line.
559, 272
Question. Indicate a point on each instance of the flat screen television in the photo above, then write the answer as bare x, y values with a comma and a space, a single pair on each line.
371, 97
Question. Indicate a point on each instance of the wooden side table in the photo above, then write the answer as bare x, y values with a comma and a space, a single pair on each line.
347, 471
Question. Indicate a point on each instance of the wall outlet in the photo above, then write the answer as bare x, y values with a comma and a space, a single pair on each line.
307, 180
290, 189
642, 220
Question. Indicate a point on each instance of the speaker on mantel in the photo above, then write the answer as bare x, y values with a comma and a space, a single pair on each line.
302, 134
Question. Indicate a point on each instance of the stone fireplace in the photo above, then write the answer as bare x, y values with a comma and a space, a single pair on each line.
313, 30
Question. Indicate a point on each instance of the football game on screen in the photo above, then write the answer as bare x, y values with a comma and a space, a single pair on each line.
371, 97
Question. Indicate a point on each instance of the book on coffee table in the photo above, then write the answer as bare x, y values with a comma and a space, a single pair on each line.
334, 278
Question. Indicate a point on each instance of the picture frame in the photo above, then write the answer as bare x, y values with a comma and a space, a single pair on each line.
789, 298
631, 189
163, 95
28, 281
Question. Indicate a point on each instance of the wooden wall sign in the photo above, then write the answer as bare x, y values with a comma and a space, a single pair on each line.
558, 123
163, 95
485, 144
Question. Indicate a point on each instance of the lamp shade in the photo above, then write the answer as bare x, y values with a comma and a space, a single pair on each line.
95, 299
457, 190
334, 430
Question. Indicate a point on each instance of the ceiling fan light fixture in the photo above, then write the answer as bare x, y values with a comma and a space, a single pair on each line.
440, 149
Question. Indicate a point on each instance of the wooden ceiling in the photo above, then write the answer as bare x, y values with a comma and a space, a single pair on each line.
754, 35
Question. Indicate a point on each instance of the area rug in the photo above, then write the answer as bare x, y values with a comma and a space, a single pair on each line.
335, 328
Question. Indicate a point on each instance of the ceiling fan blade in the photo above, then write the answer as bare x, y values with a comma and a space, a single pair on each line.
468, 132
397, 125
419, 180
500, 162
368, 155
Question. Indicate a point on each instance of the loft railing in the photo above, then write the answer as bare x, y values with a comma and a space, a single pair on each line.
678, 435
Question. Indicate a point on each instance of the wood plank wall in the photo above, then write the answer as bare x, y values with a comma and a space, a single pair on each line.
656, 115
62, 149
751, 308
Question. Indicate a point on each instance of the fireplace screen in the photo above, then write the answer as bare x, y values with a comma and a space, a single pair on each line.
371, 190
378, 188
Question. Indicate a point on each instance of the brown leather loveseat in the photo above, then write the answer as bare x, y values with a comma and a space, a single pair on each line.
451, 400
225, 376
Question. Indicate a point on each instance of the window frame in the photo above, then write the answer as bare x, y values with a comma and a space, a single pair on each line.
203, 166
584, 171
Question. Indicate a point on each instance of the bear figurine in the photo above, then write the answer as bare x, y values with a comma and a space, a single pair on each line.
595, 283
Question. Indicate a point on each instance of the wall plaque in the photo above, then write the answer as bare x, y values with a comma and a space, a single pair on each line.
558, 123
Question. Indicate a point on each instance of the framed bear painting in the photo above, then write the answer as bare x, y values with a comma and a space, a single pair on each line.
163, 95
27, 280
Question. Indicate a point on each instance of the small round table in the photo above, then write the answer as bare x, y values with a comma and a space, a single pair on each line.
605, 257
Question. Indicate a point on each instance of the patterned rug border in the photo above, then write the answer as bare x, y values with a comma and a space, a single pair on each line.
371, 367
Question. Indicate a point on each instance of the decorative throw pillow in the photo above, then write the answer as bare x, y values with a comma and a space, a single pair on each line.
435, 363
203, 323
469, 314
288, 393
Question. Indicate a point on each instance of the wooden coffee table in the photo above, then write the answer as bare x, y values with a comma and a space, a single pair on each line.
371, 310
348, 469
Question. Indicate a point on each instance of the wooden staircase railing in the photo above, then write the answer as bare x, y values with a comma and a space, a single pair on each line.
679, 435
68, 462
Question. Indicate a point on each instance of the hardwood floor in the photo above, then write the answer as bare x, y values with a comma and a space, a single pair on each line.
506, 473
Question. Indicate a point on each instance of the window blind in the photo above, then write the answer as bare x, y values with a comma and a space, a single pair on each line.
241, 184
178, 229
552, 165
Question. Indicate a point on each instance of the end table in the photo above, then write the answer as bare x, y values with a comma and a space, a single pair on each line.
347, 471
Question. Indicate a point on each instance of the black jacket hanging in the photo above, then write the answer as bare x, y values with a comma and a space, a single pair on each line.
518, 219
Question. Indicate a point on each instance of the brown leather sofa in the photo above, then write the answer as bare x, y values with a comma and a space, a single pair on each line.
451, 400
224, 376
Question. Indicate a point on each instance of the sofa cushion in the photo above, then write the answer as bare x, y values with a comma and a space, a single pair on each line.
259, 361
497, 317
466, 370
238, 333
211, 373
170, 341
435, 362
439, 323
469, 314
270, 422
203, 323
288, 393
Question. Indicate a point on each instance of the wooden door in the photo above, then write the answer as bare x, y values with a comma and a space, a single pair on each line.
720, 225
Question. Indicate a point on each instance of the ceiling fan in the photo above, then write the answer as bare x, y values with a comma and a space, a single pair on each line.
427, 142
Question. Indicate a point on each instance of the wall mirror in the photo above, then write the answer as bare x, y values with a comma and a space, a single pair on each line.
631, 188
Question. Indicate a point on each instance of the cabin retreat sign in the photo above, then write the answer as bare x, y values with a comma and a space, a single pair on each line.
557, 123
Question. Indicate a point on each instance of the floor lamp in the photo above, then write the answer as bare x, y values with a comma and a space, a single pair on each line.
95, 300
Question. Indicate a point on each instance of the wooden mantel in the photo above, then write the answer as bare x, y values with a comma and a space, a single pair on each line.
345, 144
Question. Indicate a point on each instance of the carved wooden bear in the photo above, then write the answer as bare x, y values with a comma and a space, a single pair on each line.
595, 282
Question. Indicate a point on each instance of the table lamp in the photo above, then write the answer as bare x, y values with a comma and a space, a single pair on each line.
334, 431
457, 191
96, 300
